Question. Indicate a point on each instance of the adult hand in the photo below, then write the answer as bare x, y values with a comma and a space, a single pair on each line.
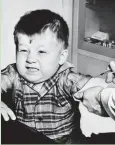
111, 75
91, 100
108, 101
90, 95
6, 112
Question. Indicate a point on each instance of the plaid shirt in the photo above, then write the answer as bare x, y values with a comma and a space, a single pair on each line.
48, 109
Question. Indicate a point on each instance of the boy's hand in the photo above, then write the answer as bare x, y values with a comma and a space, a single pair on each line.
111, 76
91, 99
6, 112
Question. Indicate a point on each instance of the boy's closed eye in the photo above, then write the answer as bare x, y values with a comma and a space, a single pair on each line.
42, 52
22, 49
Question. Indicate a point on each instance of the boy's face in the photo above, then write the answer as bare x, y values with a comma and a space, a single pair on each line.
39, 56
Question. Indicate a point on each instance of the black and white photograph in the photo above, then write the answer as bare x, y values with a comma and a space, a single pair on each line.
57, 72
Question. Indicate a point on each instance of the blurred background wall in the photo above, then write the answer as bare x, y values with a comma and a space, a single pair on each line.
11, 12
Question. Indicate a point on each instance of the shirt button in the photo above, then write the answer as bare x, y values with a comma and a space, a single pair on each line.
40, 118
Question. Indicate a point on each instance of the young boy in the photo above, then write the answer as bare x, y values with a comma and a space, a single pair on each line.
43, 83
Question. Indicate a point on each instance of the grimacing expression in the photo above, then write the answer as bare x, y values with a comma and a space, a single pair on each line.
39, 56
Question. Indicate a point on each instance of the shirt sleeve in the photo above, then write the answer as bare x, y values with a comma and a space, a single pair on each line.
78, 81
111, 104
108, 101
7, 78
74, 82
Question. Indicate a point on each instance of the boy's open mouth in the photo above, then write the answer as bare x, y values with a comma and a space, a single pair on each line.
32, 69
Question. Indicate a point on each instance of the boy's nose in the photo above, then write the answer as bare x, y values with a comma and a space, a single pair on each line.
31, 58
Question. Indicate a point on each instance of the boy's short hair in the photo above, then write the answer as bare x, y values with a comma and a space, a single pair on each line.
38, 21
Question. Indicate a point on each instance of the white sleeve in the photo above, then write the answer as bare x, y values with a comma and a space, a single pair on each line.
108, 101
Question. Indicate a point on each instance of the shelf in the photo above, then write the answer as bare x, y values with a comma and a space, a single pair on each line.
102, 7
92, 21
98, 49
94, 55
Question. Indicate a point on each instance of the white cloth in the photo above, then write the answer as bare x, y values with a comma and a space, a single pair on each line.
91, 123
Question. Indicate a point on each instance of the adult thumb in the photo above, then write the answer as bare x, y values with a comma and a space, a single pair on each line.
112, 64
78, 96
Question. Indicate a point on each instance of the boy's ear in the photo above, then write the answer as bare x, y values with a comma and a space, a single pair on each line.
63, 56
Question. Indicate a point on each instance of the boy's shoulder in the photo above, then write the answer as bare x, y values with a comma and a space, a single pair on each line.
70, 77
67, 70
65, 67
10, 67
9, 76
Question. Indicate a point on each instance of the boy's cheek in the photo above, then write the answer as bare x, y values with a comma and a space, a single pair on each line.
20, 63
20, 58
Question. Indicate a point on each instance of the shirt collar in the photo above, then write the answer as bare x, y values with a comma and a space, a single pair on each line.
65, 66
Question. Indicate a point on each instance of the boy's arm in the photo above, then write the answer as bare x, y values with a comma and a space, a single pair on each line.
72, 82
75, 82
7, 79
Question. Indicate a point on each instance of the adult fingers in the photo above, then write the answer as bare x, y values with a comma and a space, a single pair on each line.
114, 80
112, 65
109, 77
78, 96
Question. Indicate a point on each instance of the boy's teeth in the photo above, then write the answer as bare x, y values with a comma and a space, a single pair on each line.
32, 69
